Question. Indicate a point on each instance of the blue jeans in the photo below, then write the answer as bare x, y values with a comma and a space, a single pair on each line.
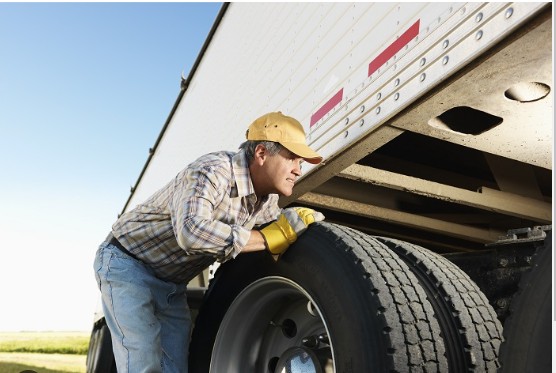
148, 318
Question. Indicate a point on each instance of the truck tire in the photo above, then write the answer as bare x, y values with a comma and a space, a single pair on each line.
472, 333
336, 301
528, 329
100, 358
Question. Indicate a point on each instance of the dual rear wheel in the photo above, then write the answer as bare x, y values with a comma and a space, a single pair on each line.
343, 301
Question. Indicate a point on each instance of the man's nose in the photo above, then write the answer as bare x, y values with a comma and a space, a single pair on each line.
297, 168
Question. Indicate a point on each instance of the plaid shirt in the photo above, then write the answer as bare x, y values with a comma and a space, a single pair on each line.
204, 214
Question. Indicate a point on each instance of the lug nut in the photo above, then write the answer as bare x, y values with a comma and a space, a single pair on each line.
310, 342
324, 338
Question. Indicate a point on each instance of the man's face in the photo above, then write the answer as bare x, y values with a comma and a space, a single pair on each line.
279, 173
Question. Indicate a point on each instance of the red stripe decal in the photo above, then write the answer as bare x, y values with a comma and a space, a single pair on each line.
394, 48
335, 100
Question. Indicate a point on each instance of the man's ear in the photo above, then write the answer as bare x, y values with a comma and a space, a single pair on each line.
260, 154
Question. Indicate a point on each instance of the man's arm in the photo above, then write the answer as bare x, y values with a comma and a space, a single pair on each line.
256, 242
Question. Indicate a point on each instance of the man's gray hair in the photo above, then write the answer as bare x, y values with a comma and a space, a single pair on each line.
249, 148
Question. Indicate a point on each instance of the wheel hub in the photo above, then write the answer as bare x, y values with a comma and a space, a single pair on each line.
298, 360
274, 326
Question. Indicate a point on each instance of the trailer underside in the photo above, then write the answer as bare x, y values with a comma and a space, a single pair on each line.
461, 166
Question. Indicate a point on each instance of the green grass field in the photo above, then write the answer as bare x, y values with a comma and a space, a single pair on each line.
43, 352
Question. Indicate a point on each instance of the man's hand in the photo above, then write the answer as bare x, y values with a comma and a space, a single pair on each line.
280, 234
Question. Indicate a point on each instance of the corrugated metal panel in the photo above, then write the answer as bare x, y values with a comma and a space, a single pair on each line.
292, 57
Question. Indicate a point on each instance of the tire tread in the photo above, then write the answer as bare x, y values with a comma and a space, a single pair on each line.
469, 321
416, 346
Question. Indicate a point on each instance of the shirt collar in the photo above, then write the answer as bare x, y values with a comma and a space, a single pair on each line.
240, 166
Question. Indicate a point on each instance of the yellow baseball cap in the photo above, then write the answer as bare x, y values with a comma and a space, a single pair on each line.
284, 130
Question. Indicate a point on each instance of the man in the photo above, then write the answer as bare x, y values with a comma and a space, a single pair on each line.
210, 211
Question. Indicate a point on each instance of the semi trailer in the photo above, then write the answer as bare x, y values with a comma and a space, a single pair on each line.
435, 121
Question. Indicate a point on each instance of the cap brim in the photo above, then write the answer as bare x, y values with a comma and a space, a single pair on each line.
302, 150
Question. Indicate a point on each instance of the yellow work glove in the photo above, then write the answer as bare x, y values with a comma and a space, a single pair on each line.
293, 221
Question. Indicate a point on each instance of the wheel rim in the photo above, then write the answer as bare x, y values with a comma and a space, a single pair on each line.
273, 326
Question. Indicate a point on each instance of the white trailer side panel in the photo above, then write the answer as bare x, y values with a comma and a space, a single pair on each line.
341, 69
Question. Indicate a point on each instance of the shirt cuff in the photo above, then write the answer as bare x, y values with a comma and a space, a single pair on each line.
240, 237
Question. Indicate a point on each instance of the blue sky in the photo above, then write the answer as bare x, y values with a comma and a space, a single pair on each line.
85, 89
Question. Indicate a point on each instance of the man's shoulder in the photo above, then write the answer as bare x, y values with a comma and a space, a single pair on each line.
214, 159
216, 164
